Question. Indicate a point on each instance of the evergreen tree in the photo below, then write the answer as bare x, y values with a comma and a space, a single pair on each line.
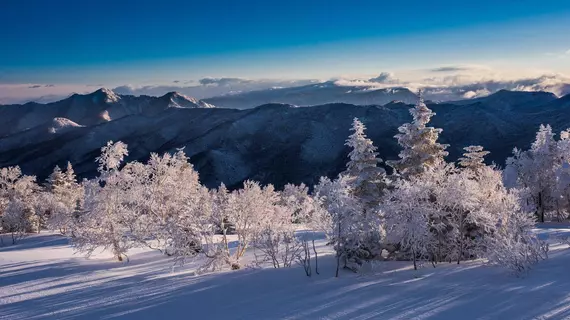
419, 142
473, 158
366, 179
55, 179
66, 196
367, 183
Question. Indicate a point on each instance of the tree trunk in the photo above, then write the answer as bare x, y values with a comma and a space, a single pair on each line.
338, 252
414, 257
540, 207
316, 257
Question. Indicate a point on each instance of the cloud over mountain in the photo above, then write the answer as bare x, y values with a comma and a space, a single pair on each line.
223, 81
443, 83
384, 77
211, 87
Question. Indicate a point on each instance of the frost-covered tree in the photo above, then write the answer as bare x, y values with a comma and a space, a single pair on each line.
365, 178
66, 198
341, 208
17, 203
425, 192
447, 214
407, 219
475, 198
276, 239
297, 198
218, 252
535, 170
101, 224
165, 195
562, 173
473, 158
420, 149
309, 211
365, 184
250, 209
513, 244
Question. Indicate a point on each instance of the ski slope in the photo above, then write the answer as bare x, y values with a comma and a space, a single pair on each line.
42, 278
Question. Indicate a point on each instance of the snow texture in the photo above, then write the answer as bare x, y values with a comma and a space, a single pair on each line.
41, 278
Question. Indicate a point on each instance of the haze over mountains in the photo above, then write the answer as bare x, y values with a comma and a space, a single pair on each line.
385, 88
445, 84
271, 143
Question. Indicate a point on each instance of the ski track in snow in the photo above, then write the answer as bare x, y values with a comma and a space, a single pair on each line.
42, 278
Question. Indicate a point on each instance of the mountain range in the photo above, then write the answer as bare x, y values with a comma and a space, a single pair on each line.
273, 143
314, 94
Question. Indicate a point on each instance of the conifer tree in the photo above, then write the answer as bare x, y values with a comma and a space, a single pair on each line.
473, 158
419, 142
66, 197
367, 183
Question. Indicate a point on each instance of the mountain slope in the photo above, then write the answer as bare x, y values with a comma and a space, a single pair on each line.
314, 94
91, 109
506, 99
278, 143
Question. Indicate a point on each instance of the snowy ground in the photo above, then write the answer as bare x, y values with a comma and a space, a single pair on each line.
41, 278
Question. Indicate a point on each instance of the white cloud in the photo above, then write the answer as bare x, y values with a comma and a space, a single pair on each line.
476, 93
445, 85
210, 87
384, 77
470, 85
21, 93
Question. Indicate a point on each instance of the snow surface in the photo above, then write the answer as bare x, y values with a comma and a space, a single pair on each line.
59, 124
41, 278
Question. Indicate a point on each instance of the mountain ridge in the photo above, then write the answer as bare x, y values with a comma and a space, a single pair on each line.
278, 143
100, 106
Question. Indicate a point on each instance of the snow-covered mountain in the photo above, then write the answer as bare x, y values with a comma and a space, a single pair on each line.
314, 94
98, 107
272, 143
383, 89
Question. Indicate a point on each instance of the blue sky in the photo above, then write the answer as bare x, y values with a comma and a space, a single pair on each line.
156, 42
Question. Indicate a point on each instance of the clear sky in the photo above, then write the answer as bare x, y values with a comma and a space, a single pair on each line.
116, 42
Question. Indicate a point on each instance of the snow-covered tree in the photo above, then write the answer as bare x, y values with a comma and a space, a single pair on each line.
66, 198
276, 239
474, 197
365, 178
250, 209
341, 207
420, 149
420, 198
297, 198
407, 219
17, 203
562, 173
535, 170
165, 194
447, 214
101, 223
513, 244
473, 158
309, 211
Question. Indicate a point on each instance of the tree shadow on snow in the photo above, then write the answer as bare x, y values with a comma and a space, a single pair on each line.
145, 289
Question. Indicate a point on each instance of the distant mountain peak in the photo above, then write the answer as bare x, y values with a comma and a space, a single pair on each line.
107, 95
178, 100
